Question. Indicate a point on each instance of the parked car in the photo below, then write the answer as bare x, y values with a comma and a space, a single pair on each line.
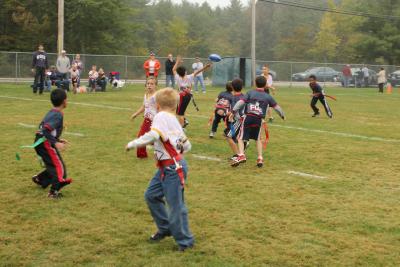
322, 74
357, 79
273, 73
394, 78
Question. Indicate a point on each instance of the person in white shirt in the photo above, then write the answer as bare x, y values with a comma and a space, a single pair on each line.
365, 72
165, 193
198, 65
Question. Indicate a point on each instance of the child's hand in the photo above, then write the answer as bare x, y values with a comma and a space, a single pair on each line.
64, 141
127, 148
209, 64
133, 116
179, 59
60, 146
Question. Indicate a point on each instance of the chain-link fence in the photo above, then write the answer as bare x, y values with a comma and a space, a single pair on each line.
16, 66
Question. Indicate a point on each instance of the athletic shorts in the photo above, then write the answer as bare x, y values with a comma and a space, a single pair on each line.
233, 129
251, 128
184, 100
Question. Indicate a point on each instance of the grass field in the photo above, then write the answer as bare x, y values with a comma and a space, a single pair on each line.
348, 216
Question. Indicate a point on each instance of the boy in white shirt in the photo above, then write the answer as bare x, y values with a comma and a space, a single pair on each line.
168, 183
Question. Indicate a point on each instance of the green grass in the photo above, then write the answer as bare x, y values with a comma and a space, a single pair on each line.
240, 217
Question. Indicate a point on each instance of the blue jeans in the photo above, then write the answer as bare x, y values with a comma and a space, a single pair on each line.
175, 220
198, 79
170, 80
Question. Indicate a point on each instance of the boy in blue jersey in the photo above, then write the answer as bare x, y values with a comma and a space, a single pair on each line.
49, 132
318, 94
256, 103
222, 108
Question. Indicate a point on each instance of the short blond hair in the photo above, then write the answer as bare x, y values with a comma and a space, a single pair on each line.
167, 98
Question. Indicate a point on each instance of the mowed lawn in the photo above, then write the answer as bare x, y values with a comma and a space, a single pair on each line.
345, 214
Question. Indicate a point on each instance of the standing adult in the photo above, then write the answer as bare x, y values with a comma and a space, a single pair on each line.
346, 75
39, 66
198, 65
381, 79
365, 72
63, 65
152, 66
169, 75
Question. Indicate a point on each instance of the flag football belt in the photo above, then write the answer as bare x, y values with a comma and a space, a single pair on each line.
185, 92
162, 164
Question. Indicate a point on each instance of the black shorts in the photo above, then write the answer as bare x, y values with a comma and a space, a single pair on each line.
184, 100
251, 128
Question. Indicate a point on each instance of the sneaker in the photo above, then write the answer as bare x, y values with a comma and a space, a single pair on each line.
36, 180
240, 159
204, 92
315, 115
211, 135
183, 249
260, 162
159, 236
233, 157
55, 194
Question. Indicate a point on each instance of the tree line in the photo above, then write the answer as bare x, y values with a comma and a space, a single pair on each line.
134, 27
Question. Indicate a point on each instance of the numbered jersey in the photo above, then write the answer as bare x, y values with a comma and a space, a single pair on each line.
257, 103
170, 131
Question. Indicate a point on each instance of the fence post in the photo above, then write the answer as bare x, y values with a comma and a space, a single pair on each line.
126, 67
16, 67
291, 74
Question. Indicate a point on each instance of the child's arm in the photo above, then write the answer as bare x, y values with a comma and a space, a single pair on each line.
208, 65
178, 61
139, 111
144, 140
280, 112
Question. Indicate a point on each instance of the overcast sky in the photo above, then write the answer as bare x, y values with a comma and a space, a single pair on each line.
213, 3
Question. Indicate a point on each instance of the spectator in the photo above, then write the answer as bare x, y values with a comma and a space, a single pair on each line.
63, 65
346, 75
93, 75
365, 75
152, 66
39, 66
102, 80
381, 79
169, 75
75, 77
78, 62
198, 65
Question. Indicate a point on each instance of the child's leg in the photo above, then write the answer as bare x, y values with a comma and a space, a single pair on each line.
241, 146
43, 179
233, 146
154, 198
144, 128
326, 106
259, 148
178, 214
314, 101
217, 120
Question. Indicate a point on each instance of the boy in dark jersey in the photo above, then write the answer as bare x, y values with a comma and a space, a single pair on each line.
222, 108
233, 124
49, 133
256, 103
39, 66
318, 94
